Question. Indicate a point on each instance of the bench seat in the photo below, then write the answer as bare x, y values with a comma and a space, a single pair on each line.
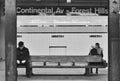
67, 62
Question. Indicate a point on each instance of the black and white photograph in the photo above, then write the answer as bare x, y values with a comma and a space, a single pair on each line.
59, 40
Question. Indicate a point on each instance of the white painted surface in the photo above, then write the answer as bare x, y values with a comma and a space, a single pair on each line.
77, 44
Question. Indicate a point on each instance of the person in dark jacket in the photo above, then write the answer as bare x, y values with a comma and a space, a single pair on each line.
93, 51
22, 53
23, 56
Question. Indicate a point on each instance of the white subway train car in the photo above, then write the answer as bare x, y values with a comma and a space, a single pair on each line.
63, 35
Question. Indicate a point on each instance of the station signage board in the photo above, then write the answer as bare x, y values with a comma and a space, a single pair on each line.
61, 10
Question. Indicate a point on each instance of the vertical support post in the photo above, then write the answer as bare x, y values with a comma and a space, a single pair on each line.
0, 10
0, 23
114, 40
2, 30
10, 40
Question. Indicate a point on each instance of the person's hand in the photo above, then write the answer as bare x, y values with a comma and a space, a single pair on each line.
23, 61
18, 61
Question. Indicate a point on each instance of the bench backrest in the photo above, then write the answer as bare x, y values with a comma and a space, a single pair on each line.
86, 58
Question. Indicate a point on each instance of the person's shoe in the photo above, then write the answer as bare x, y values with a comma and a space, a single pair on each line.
96, 72
32, 73
28, 76
86, 74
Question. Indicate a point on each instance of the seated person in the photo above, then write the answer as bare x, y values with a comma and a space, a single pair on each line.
23, 56
97, 50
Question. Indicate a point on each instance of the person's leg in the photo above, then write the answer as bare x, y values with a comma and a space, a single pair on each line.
16, 68
28, 69
28, 72
19, 63
87, 71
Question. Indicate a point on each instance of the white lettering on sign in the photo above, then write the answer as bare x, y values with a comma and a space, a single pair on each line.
33, 10
101, 11
60, 10
74, 9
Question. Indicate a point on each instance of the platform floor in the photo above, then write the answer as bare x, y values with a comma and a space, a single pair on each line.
65, 74
2, 71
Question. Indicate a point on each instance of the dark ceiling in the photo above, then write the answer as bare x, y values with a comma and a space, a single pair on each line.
63, 2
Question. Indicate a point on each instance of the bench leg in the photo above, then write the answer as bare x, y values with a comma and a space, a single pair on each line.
96, 70
91, 70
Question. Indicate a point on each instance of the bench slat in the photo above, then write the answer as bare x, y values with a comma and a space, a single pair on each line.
67, 67
64, 59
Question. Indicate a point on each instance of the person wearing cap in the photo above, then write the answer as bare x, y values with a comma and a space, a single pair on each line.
23, 57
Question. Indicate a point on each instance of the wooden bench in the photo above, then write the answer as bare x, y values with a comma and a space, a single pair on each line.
66, 62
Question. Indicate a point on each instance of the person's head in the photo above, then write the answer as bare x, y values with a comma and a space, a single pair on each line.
21, 44
97, 45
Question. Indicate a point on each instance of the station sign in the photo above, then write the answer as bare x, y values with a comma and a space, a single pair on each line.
61, 10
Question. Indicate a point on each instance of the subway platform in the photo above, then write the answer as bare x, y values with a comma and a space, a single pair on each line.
50, 74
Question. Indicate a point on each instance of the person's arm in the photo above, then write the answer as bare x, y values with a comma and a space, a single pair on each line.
18, 54
27, 54
18, 58
89, 53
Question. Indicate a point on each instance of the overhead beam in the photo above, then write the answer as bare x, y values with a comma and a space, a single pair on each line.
62, 3
10, 39
65, 4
